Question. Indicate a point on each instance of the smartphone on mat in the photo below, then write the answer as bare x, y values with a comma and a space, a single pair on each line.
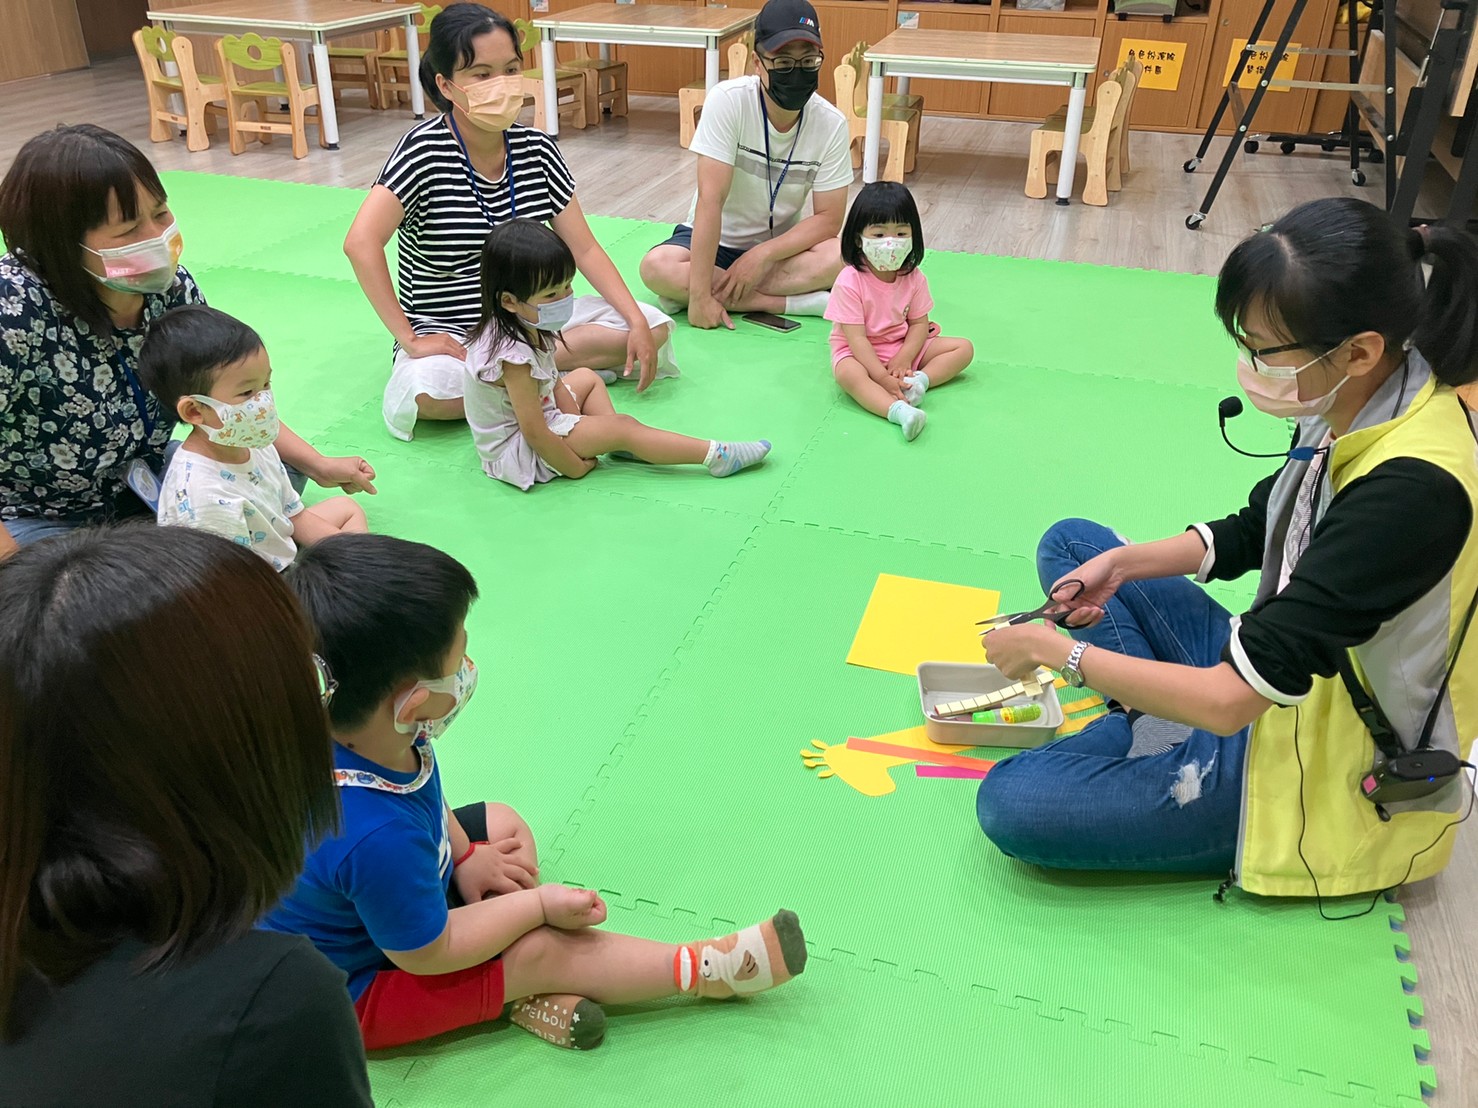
773, 322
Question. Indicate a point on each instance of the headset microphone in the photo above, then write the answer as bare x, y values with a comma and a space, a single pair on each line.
1231, 408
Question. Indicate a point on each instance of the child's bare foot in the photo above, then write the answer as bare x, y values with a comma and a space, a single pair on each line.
749, 961
573, 1022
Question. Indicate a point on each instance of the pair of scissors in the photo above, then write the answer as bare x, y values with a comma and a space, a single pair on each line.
994, 623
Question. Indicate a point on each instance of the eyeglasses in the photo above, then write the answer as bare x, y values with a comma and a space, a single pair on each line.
810, 63
327, 686
1280, 372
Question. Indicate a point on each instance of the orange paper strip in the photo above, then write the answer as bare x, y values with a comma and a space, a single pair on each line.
869, 746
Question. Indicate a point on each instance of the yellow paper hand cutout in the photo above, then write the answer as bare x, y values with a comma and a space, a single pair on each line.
867, 773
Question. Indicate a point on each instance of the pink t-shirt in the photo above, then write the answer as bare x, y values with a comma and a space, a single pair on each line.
882, 307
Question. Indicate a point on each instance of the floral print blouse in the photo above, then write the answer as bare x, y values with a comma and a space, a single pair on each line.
73, 416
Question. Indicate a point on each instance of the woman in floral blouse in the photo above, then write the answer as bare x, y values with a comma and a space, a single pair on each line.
93, 259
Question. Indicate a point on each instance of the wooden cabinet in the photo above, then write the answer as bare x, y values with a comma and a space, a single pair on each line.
949, 97
41, 36
1184, 41
1036, 102
1281, 109
845, 23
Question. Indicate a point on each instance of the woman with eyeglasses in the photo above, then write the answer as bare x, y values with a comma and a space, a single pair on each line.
164, 761
94, 255
1281, 746
765, 143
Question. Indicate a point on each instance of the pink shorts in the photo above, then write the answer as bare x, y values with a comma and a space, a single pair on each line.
885, 350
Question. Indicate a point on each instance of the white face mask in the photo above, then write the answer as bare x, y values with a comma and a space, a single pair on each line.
146, 266
888, 253
556, 314
251, 424
460, 686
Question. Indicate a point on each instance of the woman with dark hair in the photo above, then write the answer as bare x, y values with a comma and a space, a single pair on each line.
145, 832
446, 184
94, 258
1283, 745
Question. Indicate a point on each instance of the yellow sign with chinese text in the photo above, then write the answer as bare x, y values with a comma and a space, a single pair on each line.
1162, 61
1257, 66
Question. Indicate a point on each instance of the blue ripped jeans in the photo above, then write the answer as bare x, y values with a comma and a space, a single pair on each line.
1082, 802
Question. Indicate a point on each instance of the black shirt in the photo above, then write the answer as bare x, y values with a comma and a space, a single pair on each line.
1387, 539
262, 1021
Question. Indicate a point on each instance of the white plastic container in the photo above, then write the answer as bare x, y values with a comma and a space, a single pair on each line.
941, 682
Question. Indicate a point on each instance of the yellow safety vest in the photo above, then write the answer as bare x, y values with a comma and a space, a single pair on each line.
1343, 840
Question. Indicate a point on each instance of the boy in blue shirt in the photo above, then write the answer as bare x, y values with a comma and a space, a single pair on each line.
437, 916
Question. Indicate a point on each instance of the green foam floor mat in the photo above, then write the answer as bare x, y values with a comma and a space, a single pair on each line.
657, 647
880, 875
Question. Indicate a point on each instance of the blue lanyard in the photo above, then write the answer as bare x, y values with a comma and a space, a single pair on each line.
765, 126
487, 212
138, 393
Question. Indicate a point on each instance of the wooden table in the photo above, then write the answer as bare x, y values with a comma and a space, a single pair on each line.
983, 56
314, 20
638, 25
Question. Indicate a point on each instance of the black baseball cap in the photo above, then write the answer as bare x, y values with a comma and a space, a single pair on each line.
785, 21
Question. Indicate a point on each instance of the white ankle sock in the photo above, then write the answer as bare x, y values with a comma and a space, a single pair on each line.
727, 458
908, 417
808, 303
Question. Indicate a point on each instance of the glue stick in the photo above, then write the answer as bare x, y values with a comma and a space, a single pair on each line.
1024, 713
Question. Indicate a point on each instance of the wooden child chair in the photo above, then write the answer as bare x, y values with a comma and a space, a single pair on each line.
600, 70
356, 67
204, 97
1104, 144
255, 54
690, 97
393, 76
570, 85
903, 116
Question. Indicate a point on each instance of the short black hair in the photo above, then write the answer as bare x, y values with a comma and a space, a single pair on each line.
57, 190
176, 819
186, 349
449, 46
882, 202
384, 610
521, 257
1336, 267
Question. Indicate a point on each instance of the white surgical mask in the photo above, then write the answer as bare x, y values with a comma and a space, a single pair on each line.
556, 314
146, 266
459, 686
251, 424
888, 253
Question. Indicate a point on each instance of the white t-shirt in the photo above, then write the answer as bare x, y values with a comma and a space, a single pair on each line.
251, 504
732, 130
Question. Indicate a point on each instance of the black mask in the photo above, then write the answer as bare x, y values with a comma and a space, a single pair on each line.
791, 90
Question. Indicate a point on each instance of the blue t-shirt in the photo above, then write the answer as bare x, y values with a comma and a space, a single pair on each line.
382, 883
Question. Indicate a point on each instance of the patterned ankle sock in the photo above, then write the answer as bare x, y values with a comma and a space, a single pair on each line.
808, 303
915, 387
727, 458
908, 417
748, 961
572, 1022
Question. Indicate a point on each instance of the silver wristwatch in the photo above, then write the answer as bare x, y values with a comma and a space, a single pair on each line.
1070, 671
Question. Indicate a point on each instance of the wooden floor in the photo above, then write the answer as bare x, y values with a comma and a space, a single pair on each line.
968, 184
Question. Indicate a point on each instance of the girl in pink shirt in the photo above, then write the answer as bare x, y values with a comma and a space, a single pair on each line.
884, 351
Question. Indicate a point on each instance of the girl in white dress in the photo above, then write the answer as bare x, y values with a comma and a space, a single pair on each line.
530, 422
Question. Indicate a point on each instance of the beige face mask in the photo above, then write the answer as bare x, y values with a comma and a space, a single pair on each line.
493, 104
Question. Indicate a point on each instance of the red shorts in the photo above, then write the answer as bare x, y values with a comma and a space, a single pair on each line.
401, 1007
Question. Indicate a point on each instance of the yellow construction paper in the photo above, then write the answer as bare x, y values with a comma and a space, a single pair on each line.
1162, 61
865, 772
908, 621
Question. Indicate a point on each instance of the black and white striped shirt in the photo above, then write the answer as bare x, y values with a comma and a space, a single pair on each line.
444, 227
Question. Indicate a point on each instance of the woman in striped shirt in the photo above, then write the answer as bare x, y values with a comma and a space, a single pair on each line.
450, 180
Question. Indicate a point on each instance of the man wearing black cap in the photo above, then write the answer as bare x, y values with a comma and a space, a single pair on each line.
764, 143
